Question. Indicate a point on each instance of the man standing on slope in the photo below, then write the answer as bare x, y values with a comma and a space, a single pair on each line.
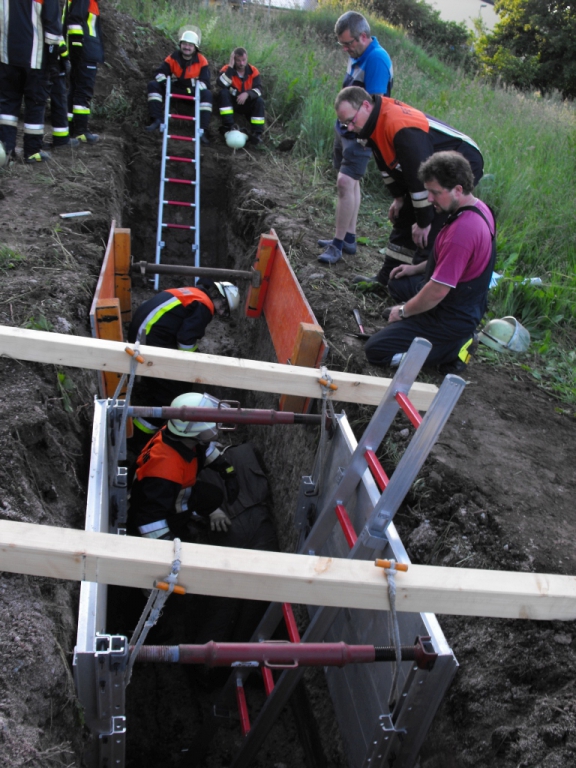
370, 67
444, 299
402, 138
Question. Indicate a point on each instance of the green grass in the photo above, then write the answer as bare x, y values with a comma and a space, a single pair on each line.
528, 143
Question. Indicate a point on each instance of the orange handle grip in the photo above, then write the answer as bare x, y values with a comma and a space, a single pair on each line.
325, 383
131, 352
388, 564
164, 587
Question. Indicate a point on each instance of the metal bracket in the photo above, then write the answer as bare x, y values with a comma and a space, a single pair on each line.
305, 496
386, 734
112, 746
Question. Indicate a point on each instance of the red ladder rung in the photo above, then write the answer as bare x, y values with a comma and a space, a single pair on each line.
268, 679
408, 409
242, 707
180, 138
180, 181
291, 625
346, 525
177, 226
181, 159
177, 202
377, 469
181, 96
181, 117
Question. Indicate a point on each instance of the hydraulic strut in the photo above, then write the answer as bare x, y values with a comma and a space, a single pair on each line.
227, 415
285, 655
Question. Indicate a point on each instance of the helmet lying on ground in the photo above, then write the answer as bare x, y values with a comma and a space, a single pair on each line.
235, 139
505, 333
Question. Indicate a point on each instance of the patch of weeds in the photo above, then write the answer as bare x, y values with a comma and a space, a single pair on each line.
10, 259
41, 324
66, 386
116, 107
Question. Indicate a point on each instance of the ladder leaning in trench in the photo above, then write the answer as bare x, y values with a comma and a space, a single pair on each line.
396, 736
194, 160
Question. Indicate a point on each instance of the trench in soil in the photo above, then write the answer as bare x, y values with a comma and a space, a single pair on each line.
166, 705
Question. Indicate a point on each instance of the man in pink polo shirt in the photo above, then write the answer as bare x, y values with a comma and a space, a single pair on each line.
443, 299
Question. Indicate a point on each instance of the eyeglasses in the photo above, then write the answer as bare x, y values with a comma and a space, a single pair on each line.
348, 123
348, 43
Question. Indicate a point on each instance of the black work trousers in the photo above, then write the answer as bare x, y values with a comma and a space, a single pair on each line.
58, 93
252, 109
82, 81
446, 335
17, 83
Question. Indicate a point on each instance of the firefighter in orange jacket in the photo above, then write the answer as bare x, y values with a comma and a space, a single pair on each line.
401, 138
30, 34
241, 91
81, 23
166, 496
176, 318
185, 66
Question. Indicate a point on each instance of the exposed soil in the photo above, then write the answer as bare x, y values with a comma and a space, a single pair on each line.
496, 493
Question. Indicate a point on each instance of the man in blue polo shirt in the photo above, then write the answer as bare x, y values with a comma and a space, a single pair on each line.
370, 67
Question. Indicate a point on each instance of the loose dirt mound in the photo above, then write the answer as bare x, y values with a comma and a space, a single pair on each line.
497, 492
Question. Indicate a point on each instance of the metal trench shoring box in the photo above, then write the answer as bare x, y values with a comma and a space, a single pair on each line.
375, 736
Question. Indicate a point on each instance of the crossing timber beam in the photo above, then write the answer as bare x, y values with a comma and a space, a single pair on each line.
63, 553
198, 368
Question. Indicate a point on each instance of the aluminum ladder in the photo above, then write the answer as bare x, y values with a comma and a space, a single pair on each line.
390, 731
194, 159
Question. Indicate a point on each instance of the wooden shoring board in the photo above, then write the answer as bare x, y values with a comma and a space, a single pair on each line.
122, 279
64, 553
108, 317
198, 368
307, 350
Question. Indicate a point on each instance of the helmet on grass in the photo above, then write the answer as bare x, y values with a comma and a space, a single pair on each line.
235, 139
505, 334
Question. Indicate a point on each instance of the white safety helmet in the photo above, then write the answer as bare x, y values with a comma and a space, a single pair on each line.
235, 139
203, 431
189, 36
231, 293
505, 334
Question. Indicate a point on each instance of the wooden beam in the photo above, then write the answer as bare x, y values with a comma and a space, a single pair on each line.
64, 553
309, 340
198, 368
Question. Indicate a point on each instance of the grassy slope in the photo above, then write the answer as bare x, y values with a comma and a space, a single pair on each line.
527, 141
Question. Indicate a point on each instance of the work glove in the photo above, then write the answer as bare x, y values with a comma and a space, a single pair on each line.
219, 521
51, 53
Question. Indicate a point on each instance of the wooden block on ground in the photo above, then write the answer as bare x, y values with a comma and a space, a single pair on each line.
307, 350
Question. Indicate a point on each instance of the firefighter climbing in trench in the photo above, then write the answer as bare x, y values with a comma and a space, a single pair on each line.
166, 495
177, 318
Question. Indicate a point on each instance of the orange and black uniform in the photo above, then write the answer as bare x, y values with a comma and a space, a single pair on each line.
174, 319
165, 491
231, 86
30, 33
82, 28
401, 138
185, 73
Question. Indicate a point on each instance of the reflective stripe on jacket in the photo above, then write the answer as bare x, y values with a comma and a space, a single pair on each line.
230, 79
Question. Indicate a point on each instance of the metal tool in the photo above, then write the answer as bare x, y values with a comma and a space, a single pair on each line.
356, 313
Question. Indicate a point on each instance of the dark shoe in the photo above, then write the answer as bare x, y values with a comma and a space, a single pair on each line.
460, 363
70, 144
349, 248
331, 255
255, 139
204, 140
155, 125
223, 130
365, 283
88, 138
38, 157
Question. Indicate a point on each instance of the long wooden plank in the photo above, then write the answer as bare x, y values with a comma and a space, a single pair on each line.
99, 355
64, 553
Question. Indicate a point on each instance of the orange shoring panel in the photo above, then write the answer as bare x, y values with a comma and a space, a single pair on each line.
285, 307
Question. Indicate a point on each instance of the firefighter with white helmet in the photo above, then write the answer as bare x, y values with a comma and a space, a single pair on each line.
186, 67
177, 318
166, 495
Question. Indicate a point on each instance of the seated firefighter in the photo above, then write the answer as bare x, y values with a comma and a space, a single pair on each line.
444, 299
241, 92
177, 318
185, 66
166, 494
